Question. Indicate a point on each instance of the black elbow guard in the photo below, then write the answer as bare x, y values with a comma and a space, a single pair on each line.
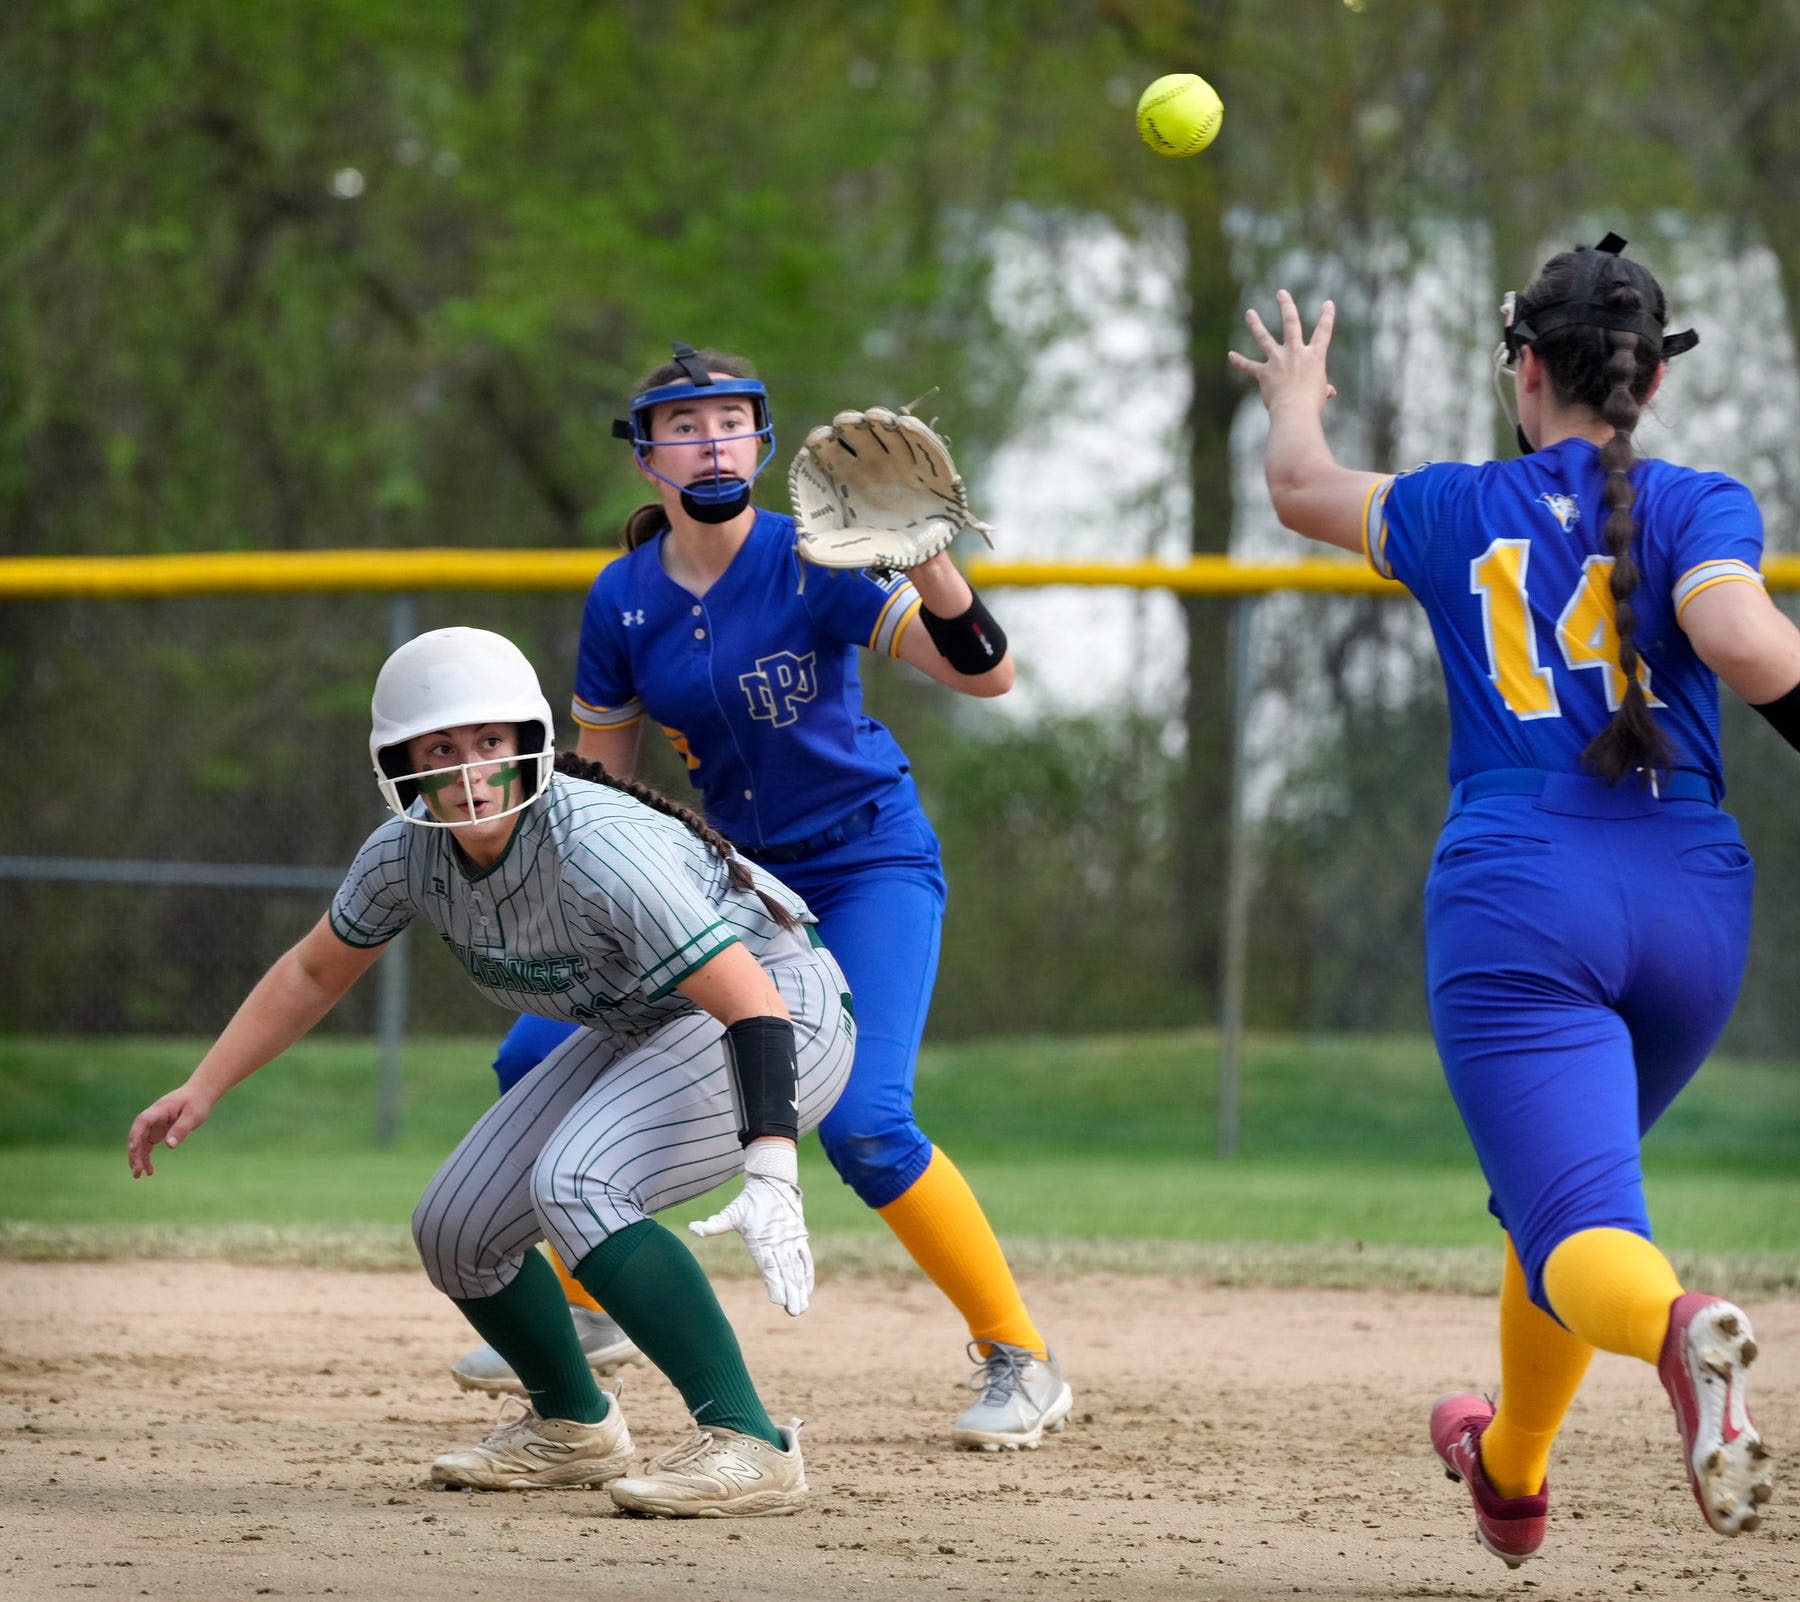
765, 1083
971, 642
1783, 714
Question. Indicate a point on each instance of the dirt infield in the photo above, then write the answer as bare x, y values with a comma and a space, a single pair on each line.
198, 1431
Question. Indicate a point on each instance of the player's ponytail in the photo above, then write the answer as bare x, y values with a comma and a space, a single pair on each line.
645, 523
1609, 369
1632, 740
735, 869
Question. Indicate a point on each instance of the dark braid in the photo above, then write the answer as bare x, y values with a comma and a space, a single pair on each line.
1610, 371
735, 869
1632, 740
650, 519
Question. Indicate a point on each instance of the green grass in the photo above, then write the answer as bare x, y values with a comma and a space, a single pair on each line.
1095, 1197
1346, 1143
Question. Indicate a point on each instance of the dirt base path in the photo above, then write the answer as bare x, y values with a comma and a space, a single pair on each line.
195, 1431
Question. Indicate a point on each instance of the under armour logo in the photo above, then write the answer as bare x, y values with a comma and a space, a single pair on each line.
628, 616
779, 686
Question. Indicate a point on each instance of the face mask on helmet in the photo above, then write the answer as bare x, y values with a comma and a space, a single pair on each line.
720, 497
451, 679
1506, 371
1583, 306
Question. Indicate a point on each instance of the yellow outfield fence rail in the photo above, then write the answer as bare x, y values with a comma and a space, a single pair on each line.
406, 573
113, 578
118, 578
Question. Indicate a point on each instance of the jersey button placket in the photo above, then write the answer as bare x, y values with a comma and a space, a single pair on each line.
699, 611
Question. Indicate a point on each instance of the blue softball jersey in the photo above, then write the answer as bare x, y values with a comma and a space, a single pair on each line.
1511, 565
756, 682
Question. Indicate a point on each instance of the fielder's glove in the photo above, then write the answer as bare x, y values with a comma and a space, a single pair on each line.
767, 1214
877, 489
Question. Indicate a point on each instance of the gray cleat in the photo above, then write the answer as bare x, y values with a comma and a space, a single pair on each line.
607, 1347
1022, 1397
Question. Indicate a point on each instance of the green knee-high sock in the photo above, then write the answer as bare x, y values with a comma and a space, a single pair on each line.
528, 1324
649, 1282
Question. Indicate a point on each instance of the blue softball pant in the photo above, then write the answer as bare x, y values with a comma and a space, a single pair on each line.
880, 905
1584, 949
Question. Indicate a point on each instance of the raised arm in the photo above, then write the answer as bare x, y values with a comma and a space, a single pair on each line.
949, 643
1312, 494
304, 984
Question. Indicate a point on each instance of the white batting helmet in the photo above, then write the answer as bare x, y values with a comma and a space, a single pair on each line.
447, 679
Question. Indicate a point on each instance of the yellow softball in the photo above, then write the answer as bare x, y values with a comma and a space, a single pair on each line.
1179, 114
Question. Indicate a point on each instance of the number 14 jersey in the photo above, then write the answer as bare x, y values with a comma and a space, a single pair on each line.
1511, 565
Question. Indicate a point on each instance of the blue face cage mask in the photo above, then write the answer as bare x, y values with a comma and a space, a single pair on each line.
722, 496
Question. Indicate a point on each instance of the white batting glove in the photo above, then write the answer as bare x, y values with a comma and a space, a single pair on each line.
767, 1214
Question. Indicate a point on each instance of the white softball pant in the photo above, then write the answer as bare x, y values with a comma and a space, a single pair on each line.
592, 1140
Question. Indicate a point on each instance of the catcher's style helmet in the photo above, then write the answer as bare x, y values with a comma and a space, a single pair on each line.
447, 679
1602, 266
722, 497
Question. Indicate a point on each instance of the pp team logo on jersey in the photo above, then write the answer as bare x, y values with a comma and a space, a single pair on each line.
1563, 508
779, 686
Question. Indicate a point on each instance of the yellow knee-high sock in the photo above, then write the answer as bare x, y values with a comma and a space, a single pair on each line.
1541, 1365
570, 1284
941, 1224
1613, 1289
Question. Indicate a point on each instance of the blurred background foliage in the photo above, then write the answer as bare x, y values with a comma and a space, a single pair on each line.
333, 274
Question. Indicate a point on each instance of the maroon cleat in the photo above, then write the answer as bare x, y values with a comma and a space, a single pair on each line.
1704, 1356
1511, 1527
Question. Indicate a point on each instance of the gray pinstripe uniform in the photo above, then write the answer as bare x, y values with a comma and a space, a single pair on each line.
598, 909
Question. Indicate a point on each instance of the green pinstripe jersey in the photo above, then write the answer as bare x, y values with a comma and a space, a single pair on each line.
599, 907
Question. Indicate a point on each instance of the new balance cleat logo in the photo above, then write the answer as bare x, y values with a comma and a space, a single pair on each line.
737, 1471
549, 1451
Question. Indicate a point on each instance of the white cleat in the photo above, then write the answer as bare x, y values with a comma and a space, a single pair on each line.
719, 1474
1022, 1399
1704, 1358
528, 1453
608, 1348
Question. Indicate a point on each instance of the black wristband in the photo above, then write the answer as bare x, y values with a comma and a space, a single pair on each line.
1783, 714
765, 1084
972, 642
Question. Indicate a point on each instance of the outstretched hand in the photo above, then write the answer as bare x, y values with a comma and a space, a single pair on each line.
1294, 366
167, 1121
767, 1213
